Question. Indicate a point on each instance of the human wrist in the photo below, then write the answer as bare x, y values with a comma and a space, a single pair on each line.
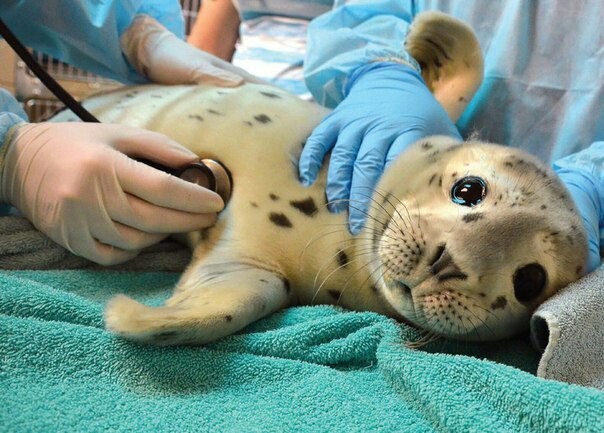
7, 135
402, 58
383, 70
139, 41
8, 121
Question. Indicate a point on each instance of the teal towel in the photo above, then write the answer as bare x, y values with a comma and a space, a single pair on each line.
306, 369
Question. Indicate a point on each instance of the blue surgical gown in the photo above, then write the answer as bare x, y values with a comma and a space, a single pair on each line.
543, 89
84, 33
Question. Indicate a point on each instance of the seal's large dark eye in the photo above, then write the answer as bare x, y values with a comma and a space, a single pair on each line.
529, 282
469, 191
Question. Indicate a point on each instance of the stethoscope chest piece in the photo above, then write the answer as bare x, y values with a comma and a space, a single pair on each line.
210, 174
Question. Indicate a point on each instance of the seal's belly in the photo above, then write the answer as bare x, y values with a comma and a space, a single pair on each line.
257, 132
241, 126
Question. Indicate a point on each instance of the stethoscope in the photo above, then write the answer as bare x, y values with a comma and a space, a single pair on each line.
208, 173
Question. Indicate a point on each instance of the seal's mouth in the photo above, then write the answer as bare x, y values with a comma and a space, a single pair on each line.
437, 301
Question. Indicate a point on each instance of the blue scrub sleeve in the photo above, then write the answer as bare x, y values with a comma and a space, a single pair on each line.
353, 34
11, 114
86, 33
583, 174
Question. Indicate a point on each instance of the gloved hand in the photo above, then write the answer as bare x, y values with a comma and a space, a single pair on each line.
76, 183
387, 107
588, 195
161, 56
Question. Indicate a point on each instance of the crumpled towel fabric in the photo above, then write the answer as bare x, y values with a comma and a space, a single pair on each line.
569, 329
304, 369
24, 247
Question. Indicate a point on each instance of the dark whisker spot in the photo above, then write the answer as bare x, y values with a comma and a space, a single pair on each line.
262, 118
334, 294
279, 219
306, 206
270, 95
471, 217
342, 258
499, 303
195, 117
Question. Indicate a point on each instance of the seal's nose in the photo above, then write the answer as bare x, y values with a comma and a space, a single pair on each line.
443, 266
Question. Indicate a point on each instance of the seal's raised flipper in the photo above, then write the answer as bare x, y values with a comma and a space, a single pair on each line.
450, 57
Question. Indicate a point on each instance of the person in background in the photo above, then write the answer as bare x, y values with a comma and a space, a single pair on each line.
543, 92
265, 38
216, 29
79, 182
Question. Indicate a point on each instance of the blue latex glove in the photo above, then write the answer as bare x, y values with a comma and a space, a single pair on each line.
583, 175
387, 106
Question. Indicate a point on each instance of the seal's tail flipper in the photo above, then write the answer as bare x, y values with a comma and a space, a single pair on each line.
211, 301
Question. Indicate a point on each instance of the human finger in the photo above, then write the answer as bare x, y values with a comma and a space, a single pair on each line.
320, 142
164, 190
146, 217
368, 169
125, 237
85, 245
152, 146
341, 166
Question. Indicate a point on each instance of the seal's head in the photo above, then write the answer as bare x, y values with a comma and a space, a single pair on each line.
469, 238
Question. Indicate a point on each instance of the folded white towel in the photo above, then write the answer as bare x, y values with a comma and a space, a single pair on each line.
569, 330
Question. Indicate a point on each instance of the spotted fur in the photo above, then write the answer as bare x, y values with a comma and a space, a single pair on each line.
421, 258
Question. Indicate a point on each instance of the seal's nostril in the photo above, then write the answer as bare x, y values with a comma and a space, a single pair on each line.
441, 260
439, 252
443, 266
